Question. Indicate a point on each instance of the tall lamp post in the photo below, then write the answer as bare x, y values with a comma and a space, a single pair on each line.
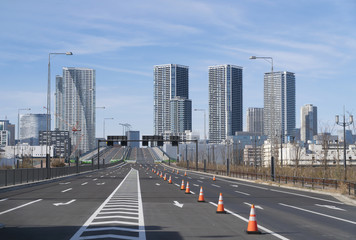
18, 120
344, 124
104, 125
270, 60
49, 109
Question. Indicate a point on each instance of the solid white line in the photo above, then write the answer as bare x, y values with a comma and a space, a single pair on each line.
141, 221
1, 200
67, 190
259, 226
321, 214
243, 193
302, 195
23, 205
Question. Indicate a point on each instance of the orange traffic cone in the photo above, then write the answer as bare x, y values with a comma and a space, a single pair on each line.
165, 177
177, 171
161, 176
157, 173
201, 195
252, 223
214, 178
182, 187
220, 208
170, 180
185, 173
187, 189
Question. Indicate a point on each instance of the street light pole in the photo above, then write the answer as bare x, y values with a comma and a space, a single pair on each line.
104, 125
49, 109
270, 60
344, 124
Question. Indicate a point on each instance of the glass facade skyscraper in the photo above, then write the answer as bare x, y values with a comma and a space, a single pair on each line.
225, 101
309, 122
279, 104
172, 107
75, 106
254, 119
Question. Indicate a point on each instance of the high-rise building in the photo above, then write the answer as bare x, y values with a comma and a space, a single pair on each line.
5, 125
30, 126
254, 120
75, 106
225, 101
171, 99
59, 140
309, 122
279, 104
181, 115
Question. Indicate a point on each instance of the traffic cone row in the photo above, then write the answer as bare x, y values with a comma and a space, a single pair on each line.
252, 227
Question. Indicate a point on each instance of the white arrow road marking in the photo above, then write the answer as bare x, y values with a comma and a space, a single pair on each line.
176, 203
158, 184
64, 183
100, 183
85, 183
256, 206
234, 186
330, 206
60, 204
67, 190
243, 193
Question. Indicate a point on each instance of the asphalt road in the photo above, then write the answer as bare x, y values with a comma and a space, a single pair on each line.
131, 202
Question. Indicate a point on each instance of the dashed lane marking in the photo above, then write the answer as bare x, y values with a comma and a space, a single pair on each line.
85, 183
67, 190
215, 185
243, 193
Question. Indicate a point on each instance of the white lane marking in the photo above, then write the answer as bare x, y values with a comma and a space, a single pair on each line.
317, 213
158, 184
330, 206
189, 177
256, 206
102, 176
4, 199
85, 183
202, 178
192, 192
95, 179
243, 193
176, 177
67, 190
110, 208
115, 212
196, 185
150, 176
64, 183
176, 203
116, 216
23, 205
259, 226
67, 203
234, 186
100, 183
302, 195
200, 181
215, 185
177, 185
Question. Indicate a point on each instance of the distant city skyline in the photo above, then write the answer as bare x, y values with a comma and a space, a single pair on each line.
122, 40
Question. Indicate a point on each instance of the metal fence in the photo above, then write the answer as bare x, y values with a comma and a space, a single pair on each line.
11, 177
313, 183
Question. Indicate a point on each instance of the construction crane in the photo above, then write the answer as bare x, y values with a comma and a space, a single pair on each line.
125, 127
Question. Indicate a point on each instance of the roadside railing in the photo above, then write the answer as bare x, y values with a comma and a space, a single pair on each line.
11, 177
312, 183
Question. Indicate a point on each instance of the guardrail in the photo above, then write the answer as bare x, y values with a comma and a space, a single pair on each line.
11, 177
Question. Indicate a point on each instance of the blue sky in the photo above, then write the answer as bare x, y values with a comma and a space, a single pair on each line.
123, 40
